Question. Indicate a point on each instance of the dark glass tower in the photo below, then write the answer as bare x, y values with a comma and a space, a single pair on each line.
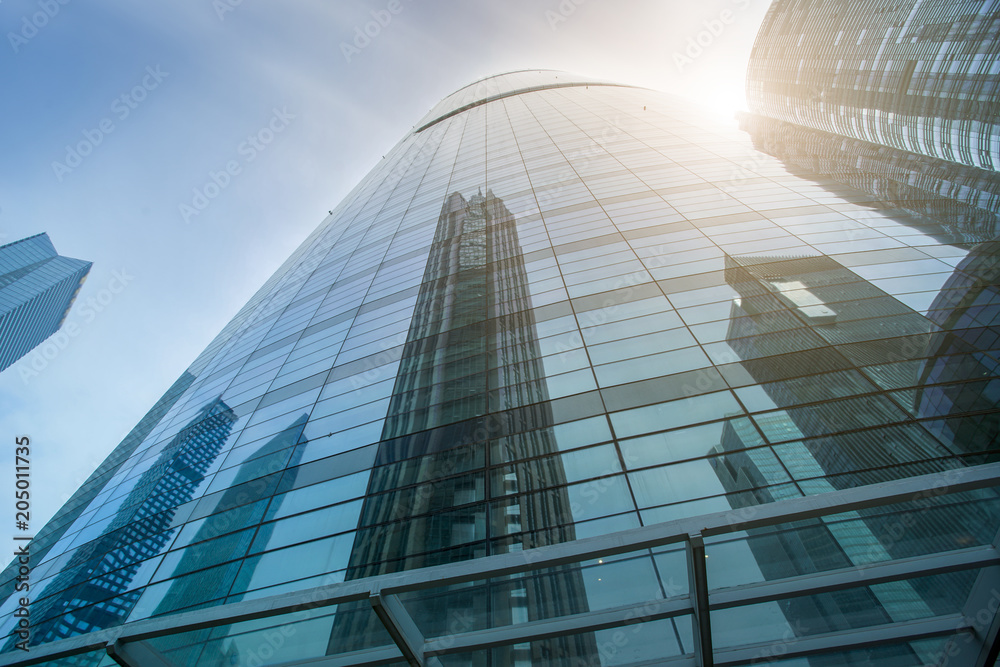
546, 331
899, 100
37, 289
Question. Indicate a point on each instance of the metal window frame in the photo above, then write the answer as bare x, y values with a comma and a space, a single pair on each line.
128, 644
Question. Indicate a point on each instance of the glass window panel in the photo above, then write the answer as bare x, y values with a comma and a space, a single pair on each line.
629, 328
215, 525
205, 553
568, 384
685, 443
599, 497
809, 389
303, 527
654, 365
344, 419
640, 345
675, 413
317, 495
313, 558
828, 417
319, 447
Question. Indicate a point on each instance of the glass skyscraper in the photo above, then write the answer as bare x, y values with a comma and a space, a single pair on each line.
37, 289
900, 100
561, 382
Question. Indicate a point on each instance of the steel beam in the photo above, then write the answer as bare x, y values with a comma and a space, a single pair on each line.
636, 539
400, 626
845, 640
989, 652
591, 621
853, 577
701, 621
373, 657
136, 654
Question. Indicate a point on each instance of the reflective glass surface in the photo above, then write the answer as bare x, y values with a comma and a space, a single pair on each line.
551, 316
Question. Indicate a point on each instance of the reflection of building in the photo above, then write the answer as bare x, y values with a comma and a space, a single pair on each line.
832, 314
963, 359
96, 588
37, 289
562, 369
472, 349
966, 200
81, 499
211, 560
901, 101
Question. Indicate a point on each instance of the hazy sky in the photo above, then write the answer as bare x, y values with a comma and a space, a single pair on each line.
114, 112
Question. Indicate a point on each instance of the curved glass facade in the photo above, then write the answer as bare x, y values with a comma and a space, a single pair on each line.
898, 100
559, 311
921, 76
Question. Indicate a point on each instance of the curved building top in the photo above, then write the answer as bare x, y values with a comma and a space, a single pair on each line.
504, 85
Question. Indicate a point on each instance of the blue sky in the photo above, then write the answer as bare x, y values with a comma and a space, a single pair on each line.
115, 114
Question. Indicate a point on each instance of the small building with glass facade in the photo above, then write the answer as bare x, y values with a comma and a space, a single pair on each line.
37, 289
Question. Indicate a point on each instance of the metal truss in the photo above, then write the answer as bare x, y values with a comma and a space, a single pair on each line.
130, 645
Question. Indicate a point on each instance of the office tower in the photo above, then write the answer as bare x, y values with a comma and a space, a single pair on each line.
899, 100
550, 387
37, 289
966, 313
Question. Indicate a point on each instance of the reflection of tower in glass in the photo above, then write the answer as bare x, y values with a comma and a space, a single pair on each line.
471, 352
825, 394
953, 203
95, 586
53, 531
958, 377
224, 537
